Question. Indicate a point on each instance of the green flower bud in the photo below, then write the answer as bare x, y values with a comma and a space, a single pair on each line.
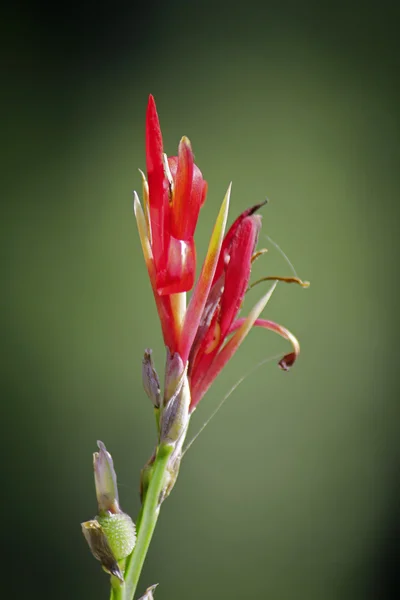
111, 535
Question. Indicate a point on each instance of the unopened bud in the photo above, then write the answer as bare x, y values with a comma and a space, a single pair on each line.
175, 412
98, 544
149, 593
111, 535
151, 382
105, 480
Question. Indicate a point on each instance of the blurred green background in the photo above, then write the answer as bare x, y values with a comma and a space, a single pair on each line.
292, 490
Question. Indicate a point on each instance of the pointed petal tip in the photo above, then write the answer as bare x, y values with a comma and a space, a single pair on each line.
151, 109
185, 142
256, 207
136, 203
227, 197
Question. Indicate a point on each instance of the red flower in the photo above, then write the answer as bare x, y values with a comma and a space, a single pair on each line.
176, 192
199, 333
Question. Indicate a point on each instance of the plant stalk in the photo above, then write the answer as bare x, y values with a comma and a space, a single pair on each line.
149, 515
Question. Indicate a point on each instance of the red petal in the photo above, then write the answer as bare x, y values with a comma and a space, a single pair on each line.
181, 213
158, 190
238, 269
237, 274
230, 236
201, 292
189, 193
178, 276
200, 384
289, 359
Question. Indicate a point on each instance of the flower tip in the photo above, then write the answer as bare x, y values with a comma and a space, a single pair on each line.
136, 205
185, 142
102, 447
227, 198
256, 207
287, 361
105, 480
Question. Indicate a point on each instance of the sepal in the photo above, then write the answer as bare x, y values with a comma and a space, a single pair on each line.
175, 412
100, 547
151, 382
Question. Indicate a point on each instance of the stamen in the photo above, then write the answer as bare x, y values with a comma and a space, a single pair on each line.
258, 254
168, 175
143, 233
303, 284
145, 187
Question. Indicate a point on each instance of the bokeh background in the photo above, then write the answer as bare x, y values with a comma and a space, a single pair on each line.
292, 490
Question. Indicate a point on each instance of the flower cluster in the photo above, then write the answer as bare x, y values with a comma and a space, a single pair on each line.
200, 336
204, 335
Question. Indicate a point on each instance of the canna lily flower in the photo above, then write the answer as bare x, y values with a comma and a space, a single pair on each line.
206, 333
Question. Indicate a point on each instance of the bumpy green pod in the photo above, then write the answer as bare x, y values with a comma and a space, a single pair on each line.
120, 532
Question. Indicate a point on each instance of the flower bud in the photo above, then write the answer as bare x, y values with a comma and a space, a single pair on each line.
111, 535
175, 412
151, 382
149, 593
105, 480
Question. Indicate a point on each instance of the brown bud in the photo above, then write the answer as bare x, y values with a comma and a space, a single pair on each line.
151, 382
100, 548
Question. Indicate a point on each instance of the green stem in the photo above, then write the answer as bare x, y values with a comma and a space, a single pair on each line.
117, 593
149, 516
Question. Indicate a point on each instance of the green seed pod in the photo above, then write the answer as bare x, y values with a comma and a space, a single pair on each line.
120, 532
